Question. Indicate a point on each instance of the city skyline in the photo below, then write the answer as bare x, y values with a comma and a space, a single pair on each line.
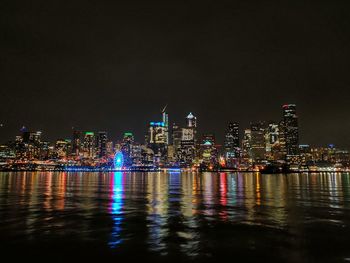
272, 146
140, 132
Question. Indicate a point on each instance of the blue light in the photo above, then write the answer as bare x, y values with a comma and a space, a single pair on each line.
116, 208
118, 160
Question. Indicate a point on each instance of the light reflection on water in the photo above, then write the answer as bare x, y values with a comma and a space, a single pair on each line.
191, 214
116, 206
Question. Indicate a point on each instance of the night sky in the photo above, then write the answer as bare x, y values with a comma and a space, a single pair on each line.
113, 65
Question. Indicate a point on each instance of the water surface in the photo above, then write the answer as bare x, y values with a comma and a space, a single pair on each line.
53, 216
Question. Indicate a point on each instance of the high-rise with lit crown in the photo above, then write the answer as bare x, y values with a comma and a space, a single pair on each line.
191, 121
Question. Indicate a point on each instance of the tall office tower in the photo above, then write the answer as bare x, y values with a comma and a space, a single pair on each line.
165, 119
188, 141
291, 135
89, 144
258, 141
247, 144
126, 147
272, 141
157, 141
176, 139
282, 140
35, 141
102, 144
231, 143
76, 142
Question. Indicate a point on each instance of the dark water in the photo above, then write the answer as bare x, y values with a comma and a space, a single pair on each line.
175, 217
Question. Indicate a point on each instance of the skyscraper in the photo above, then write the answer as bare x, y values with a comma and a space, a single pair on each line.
165, 119
102, 144
188, 141
232, 138
176, 136
191, 121
247, 145
127, 147
76, 141
157, 141
291, 132
258, 141
89, 144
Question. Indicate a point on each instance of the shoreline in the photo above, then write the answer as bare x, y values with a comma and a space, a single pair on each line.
171, 170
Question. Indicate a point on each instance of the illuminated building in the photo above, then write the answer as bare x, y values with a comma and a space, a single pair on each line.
187, 152
89, 145
171, 155
290, 120
61, 148
136, 154
232, 136
258, 141
6, 153
109, 148
191, 121
282, 140
165, 119
102, 144
272, 139
209, 152
35, 137
305, 154
157, 140
231, 144
247, 145
126, 147
147, 156
76, 142
176, 137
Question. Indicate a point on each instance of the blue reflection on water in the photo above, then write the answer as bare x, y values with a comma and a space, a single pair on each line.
116, 207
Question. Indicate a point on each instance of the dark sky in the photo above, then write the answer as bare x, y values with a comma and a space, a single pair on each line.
112, 65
